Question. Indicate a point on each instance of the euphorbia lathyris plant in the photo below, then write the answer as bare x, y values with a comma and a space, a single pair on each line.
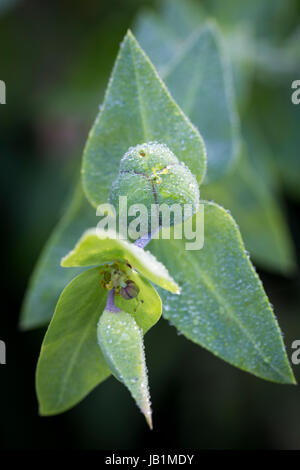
102, 313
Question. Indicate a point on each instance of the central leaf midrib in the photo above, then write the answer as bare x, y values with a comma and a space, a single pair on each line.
139, 95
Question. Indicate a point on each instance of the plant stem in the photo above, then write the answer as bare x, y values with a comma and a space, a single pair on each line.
144, 240
110, 304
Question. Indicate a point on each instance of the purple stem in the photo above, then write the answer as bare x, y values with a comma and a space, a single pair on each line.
143, 241
110, 303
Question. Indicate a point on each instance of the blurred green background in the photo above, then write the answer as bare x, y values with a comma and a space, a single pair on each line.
55, 58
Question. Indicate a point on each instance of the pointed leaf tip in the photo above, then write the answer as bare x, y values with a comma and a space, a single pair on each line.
121, 342
135, 90
227, 311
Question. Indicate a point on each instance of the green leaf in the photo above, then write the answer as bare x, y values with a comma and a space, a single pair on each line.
258, 153
162, 35
159, 41
98, 247
268, 18
262, 224
181, 16
49, 278
278, 62
70, 363
146, 309
283, 135
207, 96
200, 62
121, 342
223, 306
241, 49
137, 109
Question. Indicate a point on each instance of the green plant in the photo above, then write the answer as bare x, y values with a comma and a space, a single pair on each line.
222, 305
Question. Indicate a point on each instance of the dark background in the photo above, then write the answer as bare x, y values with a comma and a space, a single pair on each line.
55, 57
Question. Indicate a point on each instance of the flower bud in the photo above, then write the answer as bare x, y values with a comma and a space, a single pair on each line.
150, 174
130, 291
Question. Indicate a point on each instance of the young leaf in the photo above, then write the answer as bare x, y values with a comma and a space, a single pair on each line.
223, 306
70, 363
49, 278
146, 308
137, 108
258, 214
121, 342
98, 247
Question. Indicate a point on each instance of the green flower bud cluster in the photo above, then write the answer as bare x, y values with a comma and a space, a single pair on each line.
150, 174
